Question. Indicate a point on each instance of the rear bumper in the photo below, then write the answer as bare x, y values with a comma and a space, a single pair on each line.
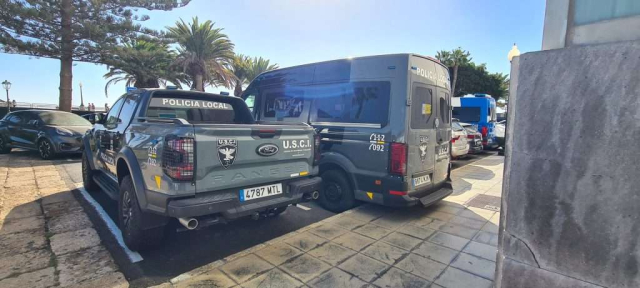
228, 205
426, 197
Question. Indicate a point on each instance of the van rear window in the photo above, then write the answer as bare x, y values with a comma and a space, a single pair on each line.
421, 107
467, 114
192, 110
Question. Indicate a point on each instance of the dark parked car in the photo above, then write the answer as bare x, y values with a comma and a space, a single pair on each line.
48, 132
93, 117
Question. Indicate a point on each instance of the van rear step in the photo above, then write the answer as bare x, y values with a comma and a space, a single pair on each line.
440, 194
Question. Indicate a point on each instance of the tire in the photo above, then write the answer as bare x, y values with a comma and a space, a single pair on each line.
3, 146
130, 217
337, 195
45, 149
87, 175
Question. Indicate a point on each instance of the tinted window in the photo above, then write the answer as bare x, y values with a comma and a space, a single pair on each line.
286, 103
421, 104
15, 119
62, 119
444, 109
250, 101
467, 114
112, 116
192, 110
128, 108
354, 102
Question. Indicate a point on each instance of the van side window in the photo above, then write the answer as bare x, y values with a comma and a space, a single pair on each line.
421, 107
444, 109
285, 103
352, 102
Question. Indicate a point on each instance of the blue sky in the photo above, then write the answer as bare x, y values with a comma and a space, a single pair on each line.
296, 32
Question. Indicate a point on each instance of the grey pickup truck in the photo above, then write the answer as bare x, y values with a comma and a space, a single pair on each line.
197, 157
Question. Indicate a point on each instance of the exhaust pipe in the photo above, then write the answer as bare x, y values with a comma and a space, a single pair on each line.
315, 195
189, 223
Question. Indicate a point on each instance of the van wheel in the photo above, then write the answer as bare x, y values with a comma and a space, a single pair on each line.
130, 218
337, 195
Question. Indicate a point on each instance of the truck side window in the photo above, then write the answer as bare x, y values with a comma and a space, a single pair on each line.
128, 108
112, 116
250, 100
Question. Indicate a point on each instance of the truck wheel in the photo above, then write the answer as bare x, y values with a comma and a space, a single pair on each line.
3, 146
130, 218
336, 195
87, 175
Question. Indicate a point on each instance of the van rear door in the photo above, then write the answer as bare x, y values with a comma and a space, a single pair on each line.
421, 136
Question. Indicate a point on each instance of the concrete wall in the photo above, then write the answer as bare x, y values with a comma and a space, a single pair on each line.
560, 30
571, 194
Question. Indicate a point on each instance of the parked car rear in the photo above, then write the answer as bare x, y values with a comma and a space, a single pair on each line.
459, 142
474, 137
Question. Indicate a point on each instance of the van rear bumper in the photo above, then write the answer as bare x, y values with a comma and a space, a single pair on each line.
228, 205
426, 197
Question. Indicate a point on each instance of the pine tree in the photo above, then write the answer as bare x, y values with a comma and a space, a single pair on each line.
73, 30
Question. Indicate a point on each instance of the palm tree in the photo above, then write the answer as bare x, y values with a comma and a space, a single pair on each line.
454, 59
258, 66
240, 68
142, 64
204, 53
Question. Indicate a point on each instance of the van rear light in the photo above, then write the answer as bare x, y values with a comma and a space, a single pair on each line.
398, 165
316, 149
471, 136
178, 158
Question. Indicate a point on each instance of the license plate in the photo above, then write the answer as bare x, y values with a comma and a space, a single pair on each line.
443, 150
259, 192
421, 180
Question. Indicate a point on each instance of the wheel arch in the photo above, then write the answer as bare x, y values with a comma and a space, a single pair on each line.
335, 161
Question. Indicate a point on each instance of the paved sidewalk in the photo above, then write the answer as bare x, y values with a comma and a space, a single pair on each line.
452, 244
46, 239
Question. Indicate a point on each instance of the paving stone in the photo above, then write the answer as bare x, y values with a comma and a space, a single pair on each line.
246, 267
487, 238
30, 209
25, 262
331, 253
59, 208
451, 208
72, 241
21, 183
37, 279
440, 216
435, 224
112, 280
481, 250
353, 241
467, 222
456, 278
393, 221
475, 265
305, 267
422, 221
476, 213
273, 278
278, 253
458, 230
401, 240
305, 241
436, 252
490, 227
415, 231
364, 267
372, 231
17, 243
336, 278
85, 265
69, 222
397, 278
348, 223
213, 278
448, 240
328, 231
58, 197
421, 266
22, 224
384, 252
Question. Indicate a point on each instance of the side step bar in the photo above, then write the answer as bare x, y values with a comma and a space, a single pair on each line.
108, 185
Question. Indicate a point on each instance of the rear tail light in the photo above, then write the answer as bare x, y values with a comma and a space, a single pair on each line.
453, 140
178, 158
398, 165
316, 149
471, 136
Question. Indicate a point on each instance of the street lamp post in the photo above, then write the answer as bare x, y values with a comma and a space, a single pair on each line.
7, 85
514, 52
81, 98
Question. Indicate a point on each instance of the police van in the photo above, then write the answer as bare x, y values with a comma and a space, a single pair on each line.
384, 122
